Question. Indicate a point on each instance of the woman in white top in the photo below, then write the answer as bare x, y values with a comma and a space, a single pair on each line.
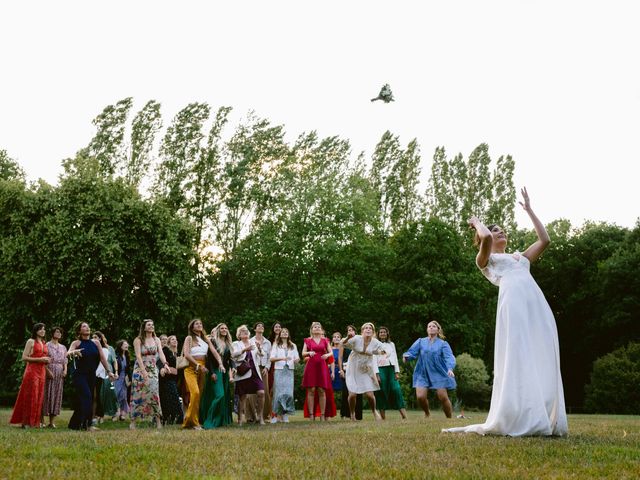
284, 356
390, 395
263, 349
362, 369
195, 349
248, 378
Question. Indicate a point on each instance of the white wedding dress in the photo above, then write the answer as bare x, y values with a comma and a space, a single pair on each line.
527, 396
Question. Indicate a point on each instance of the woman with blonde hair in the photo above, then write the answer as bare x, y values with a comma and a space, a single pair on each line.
316, 378
434, 369
248, 378
216, 404
362, 369
195, 348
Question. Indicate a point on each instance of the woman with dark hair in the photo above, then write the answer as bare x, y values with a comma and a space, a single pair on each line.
343, 359
276, 328
434, 368
56, 372
123, 382
87, 355
284, 355
389, 397
195, 349
527, 397
106, 400
145, 395
28, 407
169, 397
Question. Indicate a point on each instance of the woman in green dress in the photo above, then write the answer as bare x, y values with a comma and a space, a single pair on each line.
216, 406
108, 401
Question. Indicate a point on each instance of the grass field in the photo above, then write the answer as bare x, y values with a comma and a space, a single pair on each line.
599, 446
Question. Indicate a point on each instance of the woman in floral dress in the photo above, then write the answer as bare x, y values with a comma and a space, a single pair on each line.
145, 396
56, 373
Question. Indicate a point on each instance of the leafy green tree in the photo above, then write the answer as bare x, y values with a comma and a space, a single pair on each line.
108, 144
614, 382
458, 189
10, 169
394, 176
90, 249
144, 128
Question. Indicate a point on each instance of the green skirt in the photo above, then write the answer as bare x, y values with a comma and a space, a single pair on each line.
389, 397
216, 403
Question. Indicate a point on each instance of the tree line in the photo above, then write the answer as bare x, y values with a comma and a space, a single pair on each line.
234, 223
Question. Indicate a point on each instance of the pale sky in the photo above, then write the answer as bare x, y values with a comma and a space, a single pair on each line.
556, 84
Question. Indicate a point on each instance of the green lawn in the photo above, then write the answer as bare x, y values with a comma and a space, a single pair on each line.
599, 446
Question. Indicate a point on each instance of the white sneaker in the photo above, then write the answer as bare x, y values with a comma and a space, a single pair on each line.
274, 420
285, 418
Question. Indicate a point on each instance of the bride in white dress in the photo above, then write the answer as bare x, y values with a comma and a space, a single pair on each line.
527, 397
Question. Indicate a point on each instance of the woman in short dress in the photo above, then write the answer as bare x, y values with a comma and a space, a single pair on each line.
362, 370
248, 379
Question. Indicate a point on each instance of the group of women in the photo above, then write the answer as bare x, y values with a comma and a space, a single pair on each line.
261, 369
527, 396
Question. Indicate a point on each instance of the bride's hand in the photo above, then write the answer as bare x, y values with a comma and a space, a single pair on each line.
525, 197
473, 221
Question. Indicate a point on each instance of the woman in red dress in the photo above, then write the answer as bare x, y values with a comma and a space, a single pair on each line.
28, 406
316, 378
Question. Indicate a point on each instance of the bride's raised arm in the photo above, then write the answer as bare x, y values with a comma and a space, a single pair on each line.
485, 241
535, 250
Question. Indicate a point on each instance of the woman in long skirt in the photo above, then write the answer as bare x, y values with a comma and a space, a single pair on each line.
123, 382
145, 396
389, 397
56, 373
216, 404
87, 355
284, 356
343, 362
169, 398
527, 397
28, 407
105, 389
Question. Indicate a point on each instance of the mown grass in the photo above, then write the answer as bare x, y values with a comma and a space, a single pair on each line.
599, 446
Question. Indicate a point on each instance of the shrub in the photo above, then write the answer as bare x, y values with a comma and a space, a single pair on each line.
614, 382
473, 382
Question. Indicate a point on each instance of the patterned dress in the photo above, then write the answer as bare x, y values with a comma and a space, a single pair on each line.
54, 385
145, 396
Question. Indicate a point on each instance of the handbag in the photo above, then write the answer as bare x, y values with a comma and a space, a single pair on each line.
181, 362
244, 366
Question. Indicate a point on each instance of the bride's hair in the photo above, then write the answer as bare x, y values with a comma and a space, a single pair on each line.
476, 237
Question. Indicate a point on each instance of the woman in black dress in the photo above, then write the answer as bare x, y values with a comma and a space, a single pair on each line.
169, 397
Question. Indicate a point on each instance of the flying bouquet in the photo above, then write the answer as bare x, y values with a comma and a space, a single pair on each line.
385, 94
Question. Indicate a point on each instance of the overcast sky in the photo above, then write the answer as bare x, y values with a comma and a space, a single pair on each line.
556, 84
